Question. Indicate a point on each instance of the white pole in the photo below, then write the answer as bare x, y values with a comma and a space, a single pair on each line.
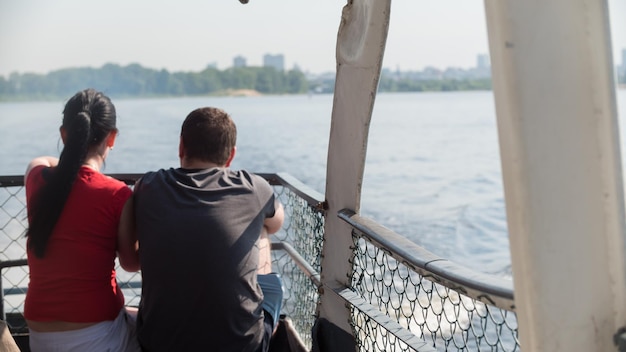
360, 47
559, 138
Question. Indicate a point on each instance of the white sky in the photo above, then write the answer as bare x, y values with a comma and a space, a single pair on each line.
187, 35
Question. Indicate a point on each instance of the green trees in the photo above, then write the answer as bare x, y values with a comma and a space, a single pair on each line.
134, 80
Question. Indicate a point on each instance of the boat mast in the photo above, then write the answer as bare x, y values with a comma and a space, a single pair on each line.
555, 99
360, 47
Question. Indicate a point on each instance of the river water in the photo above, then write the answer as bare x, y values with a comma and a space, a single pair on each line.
432, 172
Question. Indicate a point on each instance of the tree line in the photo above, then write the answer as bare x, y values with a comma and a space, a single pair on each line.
136, 81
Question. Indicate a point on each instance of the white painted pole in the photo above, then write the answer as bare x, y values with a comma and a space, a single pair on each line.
557, 118
360, 46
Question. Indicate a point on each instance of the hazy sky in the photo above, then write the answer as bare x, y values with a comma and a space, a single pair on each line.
187, 35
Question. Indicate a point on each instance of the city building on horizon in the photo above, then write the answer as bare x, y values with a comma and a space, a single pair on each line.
275, 61
239, 61
483, 61
482, 70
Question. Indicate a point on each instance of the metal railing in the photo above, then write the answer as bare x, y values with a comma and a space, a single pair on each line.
295, 250
440, 302
402, 297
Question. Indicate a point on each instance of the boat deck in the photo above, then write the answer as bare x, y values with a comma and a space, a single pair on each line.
401, 296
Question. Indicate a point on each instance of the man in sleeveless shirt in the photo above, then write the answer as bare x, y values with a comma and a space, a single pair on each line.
198, 228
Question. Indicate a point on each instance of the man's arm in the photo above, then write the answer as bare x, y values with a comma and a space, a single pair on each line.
273, 224
270, 225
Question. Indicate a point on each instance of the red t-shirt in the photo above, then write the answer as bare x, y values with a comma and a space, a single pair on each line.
75, 280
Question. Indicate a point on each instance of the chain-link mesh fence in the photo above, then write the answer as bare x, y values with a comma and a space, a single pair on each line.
445, 316
444, 313
13, 225
303, 230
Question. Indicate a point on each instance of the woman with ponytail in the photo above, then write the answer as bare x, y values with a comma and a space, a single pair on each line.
76, 230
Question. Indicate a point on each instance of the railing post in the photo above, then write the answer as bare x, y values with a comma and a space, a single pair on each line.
2, 314
559, 140
360, 46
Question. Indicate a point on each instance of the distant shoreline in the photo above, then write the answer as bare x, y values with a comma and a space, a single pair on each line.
222, 93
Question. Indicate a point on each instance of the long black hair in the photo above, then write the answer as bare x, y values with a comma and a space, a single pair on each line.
88, 118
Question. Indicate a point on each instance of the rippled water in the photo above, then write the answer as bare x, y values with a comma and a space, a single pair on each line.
432, 172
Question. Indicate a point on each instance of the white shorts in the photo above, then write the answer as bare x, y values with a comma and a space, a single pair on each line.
107, 336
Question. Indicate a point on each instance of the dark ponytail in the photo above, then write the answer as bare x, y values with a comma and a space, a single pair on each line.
88, 117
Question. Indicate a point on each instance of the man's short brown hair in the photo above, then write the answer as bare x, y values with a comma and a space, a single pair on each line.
208, 134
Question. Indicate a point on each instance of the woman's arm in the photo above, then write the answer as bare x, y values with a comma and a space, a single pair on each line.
47, 161
127, 244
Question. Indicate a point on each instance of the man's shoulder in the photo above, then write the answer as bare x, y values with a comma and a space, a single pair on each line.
252, 178
248, 174
158, 173
152, 177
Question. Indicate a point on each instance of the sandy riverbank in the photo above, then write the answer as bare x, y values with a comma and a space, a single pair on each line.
239, 93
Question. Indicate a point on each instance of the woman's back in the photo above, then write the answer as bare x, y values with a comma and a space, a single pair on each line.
78, 267
79, 220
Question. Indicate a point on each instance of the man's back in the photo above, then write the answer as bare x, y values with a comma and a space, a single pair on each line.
197, 231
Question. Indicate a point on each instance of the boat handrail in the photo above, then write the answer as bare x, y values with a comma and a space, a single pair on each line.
489, 289
295, 250
304, 266
283, 179
432, 289
303, 191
